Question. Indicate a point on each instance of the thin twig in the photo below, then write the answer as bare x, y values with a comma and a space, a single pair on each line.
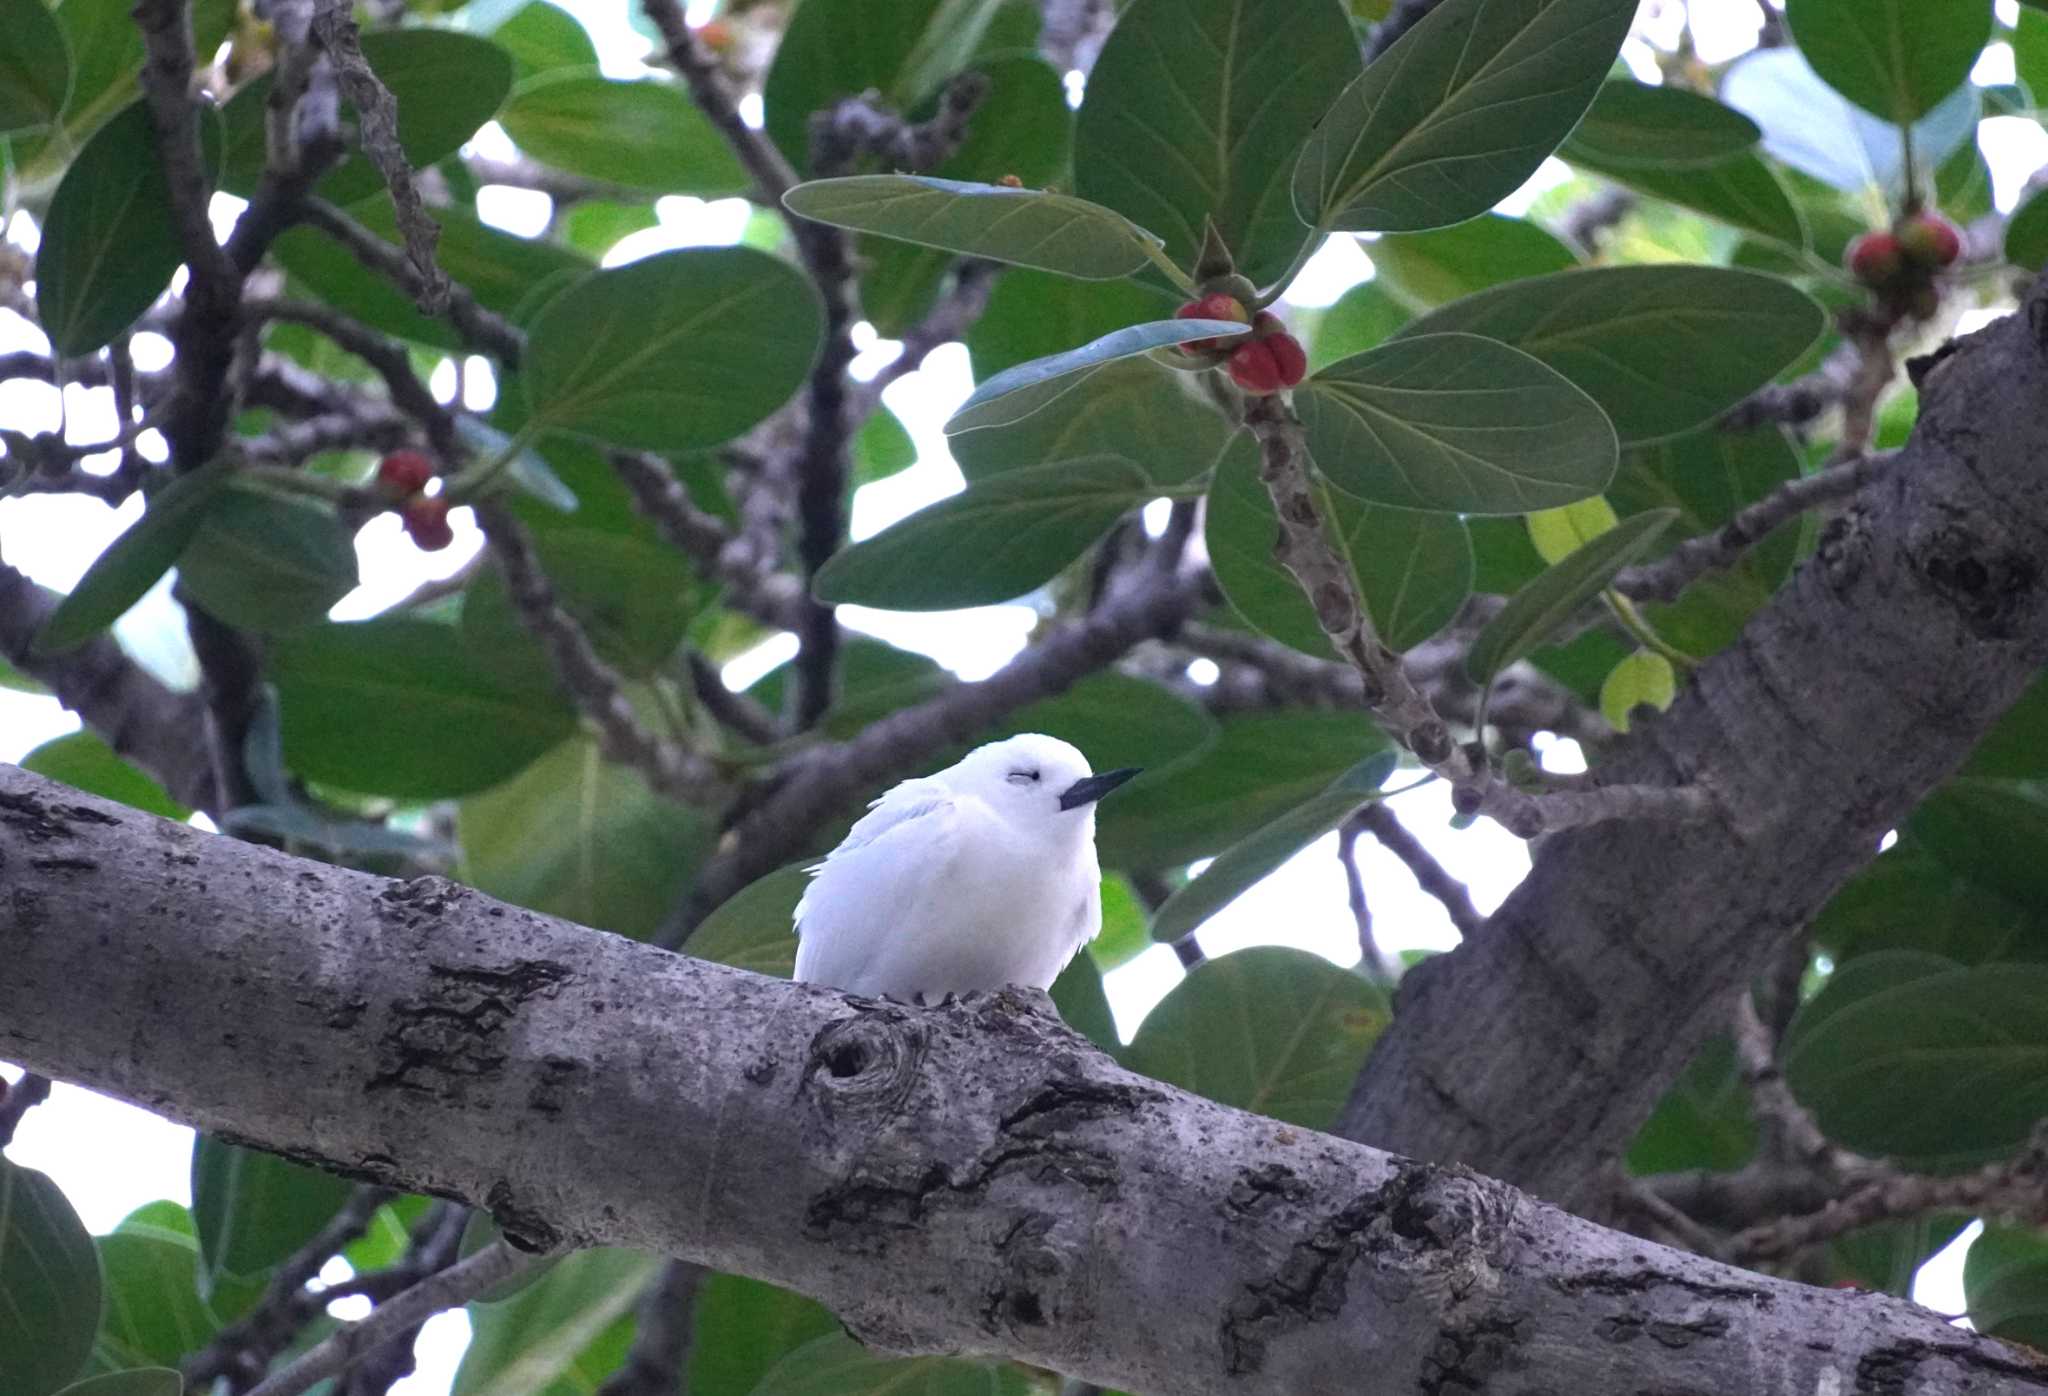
952, 314
714, 96
1384, 967
1670, 575
1382, 823
772, 598
734, 711
592, 685
1789, 1129
458, 1284
483, 330
17, 1100
391, 361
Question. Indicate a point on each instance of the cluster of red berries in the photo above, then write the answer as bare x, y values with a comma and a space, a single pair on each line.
404, 475
1265, 359
1900, 263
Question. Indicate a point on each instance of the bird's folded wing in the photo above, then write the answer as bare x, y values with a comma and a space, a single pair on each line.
883, 870
925, 807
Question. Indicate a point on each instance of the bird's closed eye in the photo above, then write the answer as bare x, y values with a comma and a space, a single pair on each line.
1023, 777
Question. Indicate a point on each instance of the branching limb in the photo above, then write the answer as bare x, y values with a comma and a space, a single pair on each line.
458, 1284
17, 1100
592, 685
1384, 825
387, 357
483, 330
734, 711
663, 1332
773, 175
958, 306
769, 597
1384, 967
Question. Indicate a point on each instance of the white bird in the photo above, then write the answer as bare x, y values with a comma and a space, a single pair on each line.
979, 876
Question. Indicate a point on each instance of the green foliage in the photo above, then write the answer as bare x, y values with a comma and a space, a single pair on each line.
267, 562
49, 1284
252, 1210
1894, 58
132, 563
560, 1335
1275, 1031
85, 762
745, 1326
1135, 409
644, 135
35, 67
2005, 1284
835, 1365
1545, 603
1632, 123
154, 1313
139, 1381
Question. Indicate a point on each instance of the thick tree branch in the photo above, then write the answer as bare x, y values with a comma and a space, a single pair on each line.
1088, 1219
1860, 687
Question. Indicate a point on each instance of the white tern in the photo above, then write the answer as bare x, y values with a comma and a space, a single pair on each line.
979, 876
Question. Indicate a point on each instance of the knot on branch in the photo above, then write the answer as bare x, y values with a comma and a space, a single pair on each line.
867, 1063
1988, 585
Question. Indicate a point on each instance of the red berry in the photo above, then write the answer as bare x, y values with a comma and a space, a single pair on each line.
1214, 306
715, 35
405, 473
1254, 368
1930, 239
1289, 357
427, 521
1876, 259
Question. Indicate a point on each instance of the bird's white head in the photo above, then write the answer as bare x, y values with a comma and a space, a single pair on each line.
1035, 781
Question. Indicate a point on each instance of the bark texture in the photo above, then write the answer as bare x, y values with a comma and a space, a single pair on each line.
973, 1178
1535, 1051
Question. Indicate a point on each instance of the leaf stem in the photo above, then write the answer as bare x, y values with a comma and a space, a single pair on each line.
1638, 625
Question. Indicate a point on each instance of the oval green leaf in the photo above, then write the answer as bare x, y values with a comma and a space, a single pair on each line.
1023, 227
1661, 349
1151, 416
132, 563
1196, 110
252, 1210
1248, 861
85, 762
35, 66
1894, 58
2005, 1283
1276, 1031
743, 1327
674, 352
1458, 424
1458, 113
154, 1314
340, 686
1016, 393
1741, 191
1428, 269
1914, 1057
1633, 123
1546, 603
755, 928
644, 135
49, 1284
1033, 314
544, 38
1644, 679
565, 1331
2026, 234
109, 245
268, 563
1364, 317
1413, 570
993, 542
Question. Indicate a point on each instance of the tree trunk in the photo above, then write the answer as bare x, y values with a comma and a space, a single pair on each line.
973, 1178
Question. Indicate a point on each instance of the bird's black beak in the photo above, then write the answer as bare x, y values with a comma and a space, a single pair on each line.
1089, 789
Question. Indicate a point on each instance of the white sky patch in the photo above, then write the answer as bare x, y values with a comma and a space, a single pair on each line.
522, 212
1338, 265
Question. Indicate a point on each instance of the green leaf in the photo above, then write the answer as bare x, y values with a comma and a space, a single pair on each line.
269, 563
577, 836
1276, 1031
1427, 269
2026, 234
1910, 900
1458, 113
1251, 859
881, 448
1887, 1257
1364, 317
139, 1381
154, 1315
1455, 423
1023, 227
35, 66
1082, 1005
539, 1336
253, 1210
343, 690
1644, 679
1741, 191
743, 1327
1117, 719
499, 269
2017, 747
109, 245
132, 563
902, 50
1123, 937
49, 1284
675, 352
1257, 768
1894, 58
1195, 111
1662, 349
835, 1365
1633, 123
2005, 1284
447, 85
1035, 314
755, 928
998, 539
1703, 1121
645, 135
84, 762
1915, 1057
1546, 603
1991, 831
1810, 127
544, 38
1151, 416
1016, 393
1414, 570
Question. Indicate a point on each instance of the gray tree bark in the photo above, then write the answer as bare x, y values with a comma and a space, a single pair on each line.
1536, 1050
974, 1178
